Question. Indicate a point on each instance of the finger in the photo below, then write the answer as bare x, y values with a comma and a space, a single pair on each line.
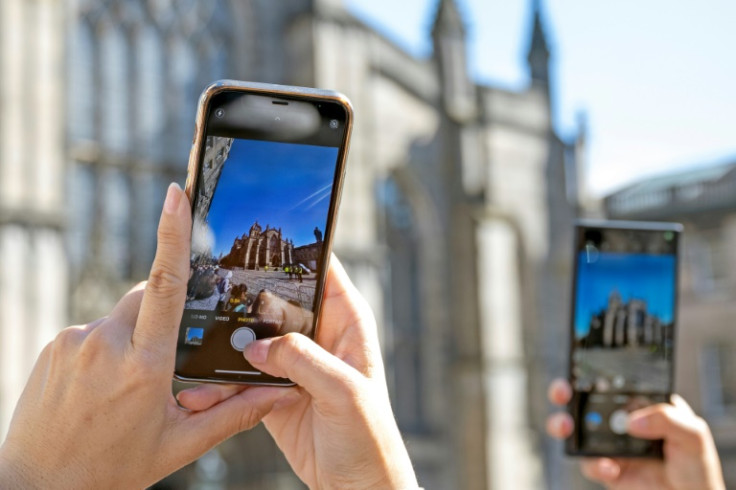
65, 346
559, 392
163, 299
347, 321
125, 313
560, 425
57, 356
92, 325
60, 354
677, 424
69, 338
603, 470
284, 316
85, 329
681, 404
296, 357
202, 430
205, 396
338, 281
40, 372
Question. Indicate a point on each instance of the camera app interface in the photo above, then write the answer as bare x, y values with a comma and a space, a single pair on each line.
260, 213
624, 320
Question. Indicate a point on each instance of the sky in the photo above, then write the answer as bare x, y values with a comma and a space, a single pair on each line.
283, 185
635, 276
654, 79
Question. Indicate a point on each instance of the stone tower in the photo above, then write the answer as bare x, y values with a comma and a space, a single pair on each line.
449, 36
539, 53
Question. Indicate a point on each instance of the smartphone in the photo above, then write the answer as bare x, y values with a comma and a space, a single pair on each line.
622, 336
265, 175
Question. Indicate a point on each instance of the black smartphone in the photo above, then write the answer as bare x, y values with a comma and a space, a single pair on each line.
622, 336
265, 175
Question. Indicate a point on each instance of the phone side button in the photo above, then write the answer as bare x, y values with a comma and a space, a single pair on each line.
242, 337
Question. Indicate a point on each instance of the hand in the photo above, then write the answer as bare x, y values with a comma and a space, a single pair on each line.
337, 429
284, 316
98, 411
690, 458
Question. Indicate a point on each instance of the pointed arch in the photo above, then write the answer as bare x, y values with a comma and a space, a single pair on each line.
417, 245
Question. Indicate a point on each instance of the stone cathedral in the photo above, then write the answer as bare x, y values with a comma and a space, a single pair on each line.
260, 248
454, 224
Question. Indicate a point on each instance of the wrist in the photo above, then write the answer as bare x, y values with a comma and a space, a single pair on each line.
397, 463
401, 475
388, 467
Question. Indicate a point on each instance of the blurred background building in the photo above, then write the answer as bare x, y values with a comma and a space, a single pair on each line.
455, 226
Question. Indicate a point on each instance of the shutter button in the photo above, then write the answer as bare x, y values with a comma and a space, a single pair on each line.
242, 337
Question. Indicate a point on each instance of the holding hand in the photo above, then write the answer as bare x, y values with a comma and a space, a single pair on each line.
98, 411
690, 458
336, 428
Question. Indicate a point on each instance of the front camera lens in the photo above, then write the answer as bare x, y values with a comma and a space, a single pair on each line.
334, 124
219, 113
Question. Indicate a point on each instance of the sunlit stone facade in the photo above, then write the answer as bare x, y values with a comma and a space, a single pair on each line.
454, 221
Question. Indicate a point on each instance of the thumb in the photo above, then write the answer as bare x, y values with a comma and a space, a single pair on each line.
298, 358
163, 298
675, 423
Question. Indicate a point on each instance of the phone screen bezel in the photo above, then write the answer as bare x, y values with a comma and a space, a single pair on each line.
300, 94
654, 449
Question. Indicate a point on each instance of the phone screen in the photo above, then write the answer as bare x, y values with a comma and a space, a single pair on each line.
623, 331
263, 208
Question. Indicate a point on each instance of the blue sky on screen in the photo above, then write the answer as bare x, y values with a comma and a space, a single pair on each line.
283, 185
635, 276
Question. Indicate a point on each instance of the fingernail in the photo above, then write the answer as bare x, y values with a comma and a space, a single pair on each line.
257, 352
173, 196
638, 423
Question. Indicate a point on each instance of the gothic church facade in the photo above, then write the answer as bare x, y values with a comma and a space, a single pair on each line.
454, 225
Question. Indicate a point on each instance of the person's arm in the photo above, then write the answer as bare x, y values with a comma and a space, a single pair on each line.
98, 411
337, 430
690, 456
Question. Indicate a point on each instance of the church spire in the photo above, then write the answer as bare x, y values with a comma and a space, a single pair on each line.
450, 55
448, 20
538, 56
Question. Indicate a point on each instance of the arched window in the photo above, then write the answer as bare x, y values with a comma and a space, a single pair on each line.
136, 70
